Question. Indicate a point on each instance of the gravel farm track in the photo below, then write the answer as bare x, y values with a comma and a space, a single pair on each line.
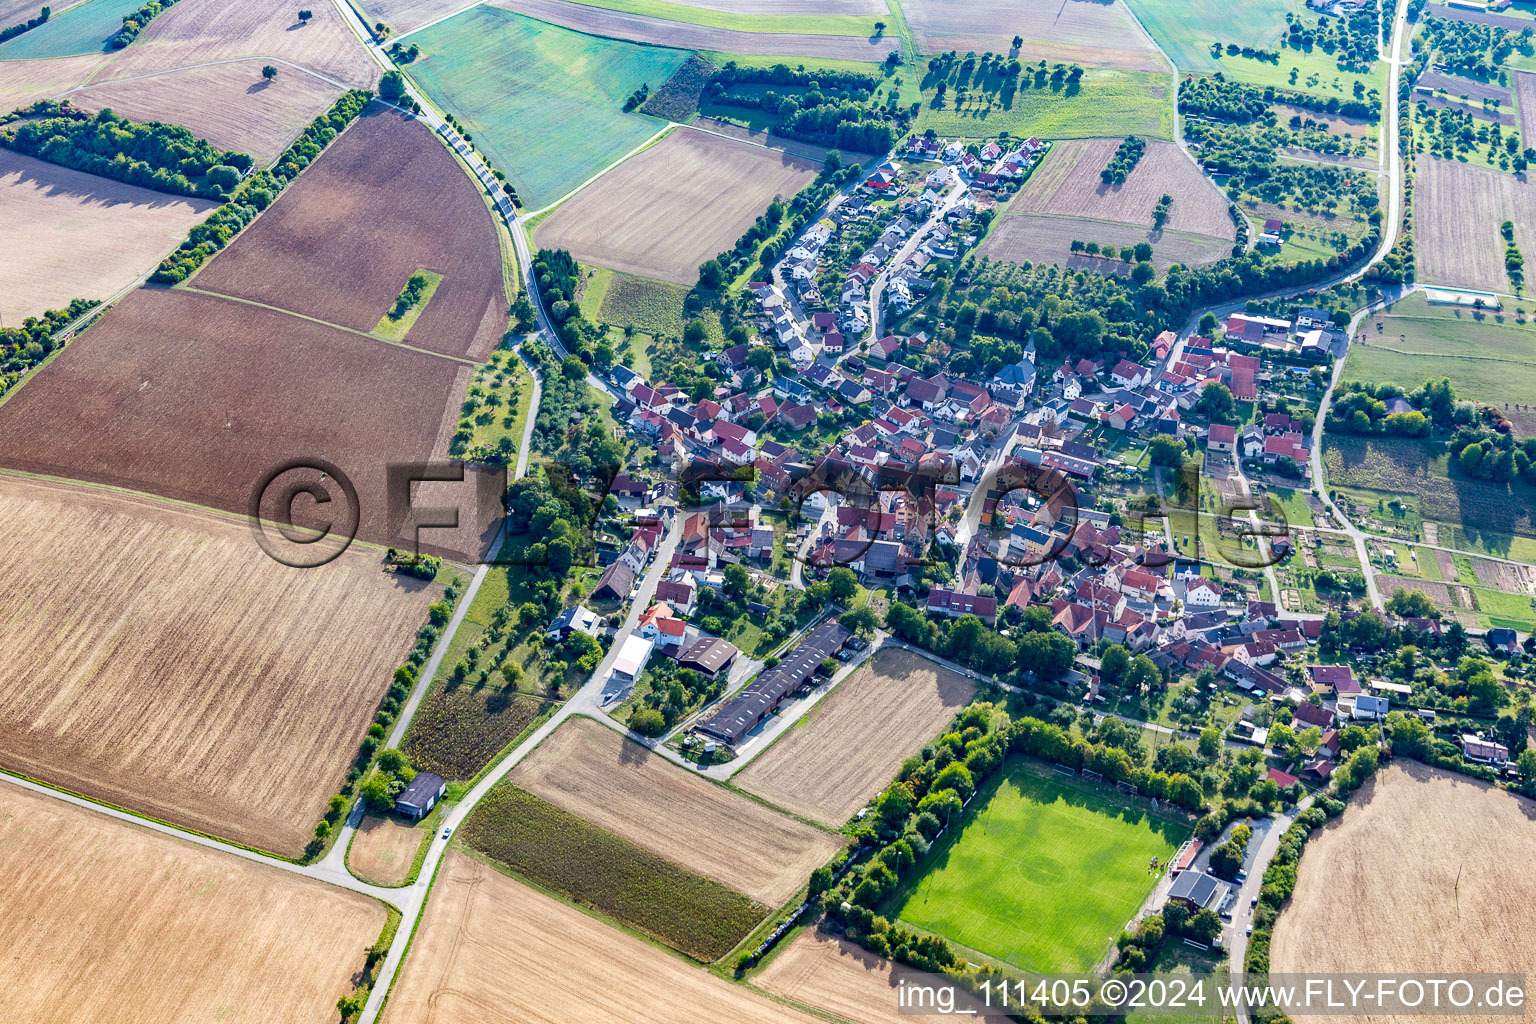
227, 696
1452, 907
172, 393
677, 204
853, 741
107, 921
489, 946
66, 234
330, 247
617, 784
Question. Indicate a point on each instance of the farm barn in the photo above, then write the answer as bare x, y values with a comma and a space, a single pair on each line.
741, 714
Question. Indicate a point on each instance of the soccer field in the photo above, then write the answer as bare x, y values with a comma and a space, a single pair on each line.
1041, 875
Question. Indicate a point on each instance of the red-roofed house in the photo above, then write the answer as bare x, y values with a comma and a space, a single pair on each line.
1223, 438
953, 604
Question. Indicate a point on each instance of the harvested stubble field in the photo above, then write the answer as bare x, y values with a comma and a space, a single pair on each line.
68, 235
1525, 99
230, 105
491, 949
841, 977
1073, 31
13, 11
1067, 184
697, 916
200, 398
794, 147
594, 772
1042, 238
341, 242
404, 16
654, 31
1457, 210
194, 695
23, 82
544, 103
662, 213
853, 740
83, 28
458, 728
161, 928
1455, 909
210, 30
383, 849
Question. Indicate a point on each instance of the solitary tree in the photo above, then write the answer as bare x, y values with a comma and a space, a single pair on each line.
879, 28
1018, 41
269, 72
305, 15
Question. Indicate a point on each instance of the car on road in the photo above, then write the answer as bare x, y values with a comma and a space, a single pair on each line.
1242, 876
1249, 931
447, 831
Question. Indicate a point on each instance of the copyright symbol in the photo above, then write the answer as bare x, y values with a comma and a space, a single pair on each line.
1113, 992
296, 517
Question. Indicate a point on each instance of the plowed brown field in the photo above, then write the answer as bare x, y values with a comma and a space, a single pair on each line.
385, 200
158, 660
662, 213
1085, 31
107, 921
1463, 901
230, 105
491, 950
210, 30
855, 738
200, 398
594, 772
67, 235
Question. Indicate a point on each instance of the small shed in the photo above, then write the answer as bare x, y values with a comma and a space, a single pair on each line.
417, 799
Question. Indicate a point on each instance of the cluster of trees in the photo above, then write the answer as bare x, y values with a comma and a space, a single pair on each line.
558, 277
1361, 409
849, 82
1514, 263
409, 295
994, 75
258, 191
1127, 156
1249, 153
1227, 859
674, 692
135, 22
157, 156
568, 425
390, 776
1476, 51
1489, 454
1217, 97
17, 29
1351, 40
1137, 950
1041, 651
1454, 133
423, 567
846, 125
830, 108
22, 348
555, 520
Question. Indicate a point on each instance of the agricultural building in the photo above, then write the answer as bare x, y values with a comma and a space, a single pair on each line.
423, 793
741, 714
710, 656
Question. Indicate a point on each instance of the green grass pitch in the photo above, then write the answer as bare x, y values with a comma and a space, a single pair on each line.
1041, 875
543, 102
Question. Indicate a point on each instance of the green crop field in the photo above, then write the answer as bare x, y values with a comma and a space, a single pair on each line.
81, 29
1108, 103
595, 867
1042, 875
1185, 29
545, 104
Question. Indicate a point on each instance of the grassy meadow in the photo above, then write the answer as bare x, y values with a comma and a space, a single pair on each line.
1105, 103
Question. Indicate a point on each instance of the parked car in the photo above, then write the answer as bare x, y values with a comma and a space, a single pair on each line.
447, 832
